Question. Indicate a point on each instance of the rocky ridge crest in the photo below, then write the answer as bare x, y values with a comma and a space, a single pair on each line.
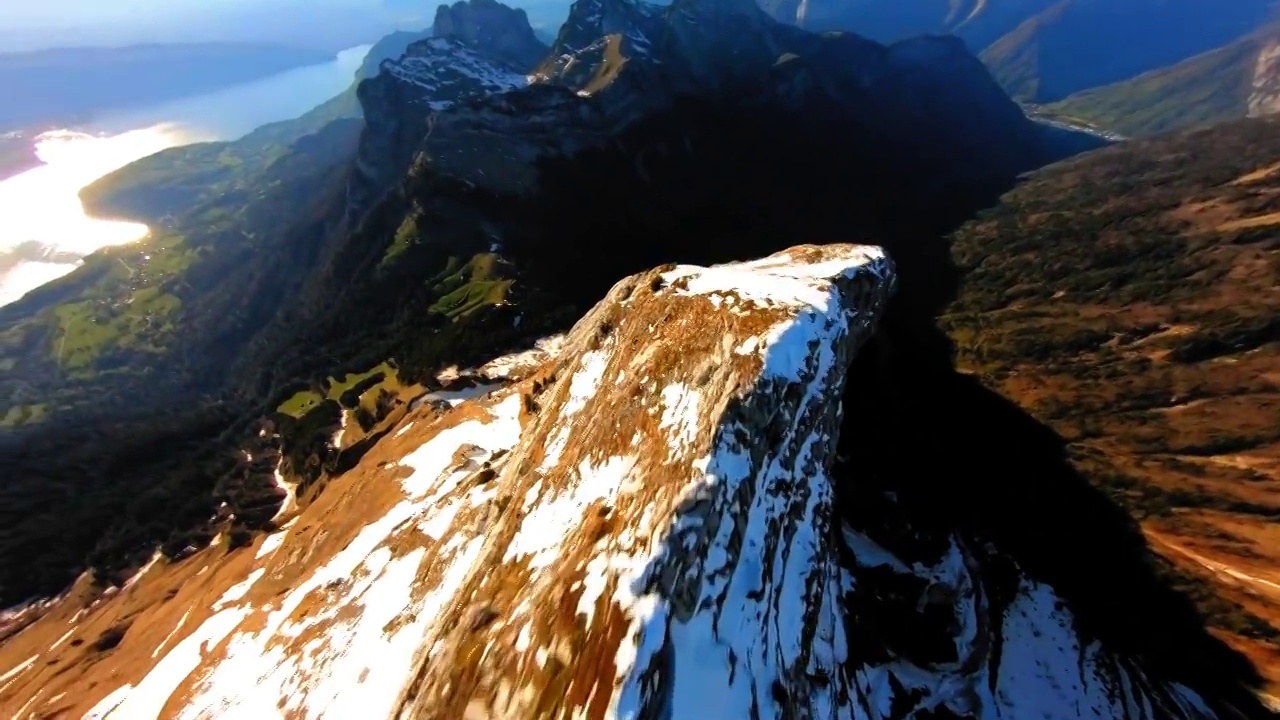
647, 526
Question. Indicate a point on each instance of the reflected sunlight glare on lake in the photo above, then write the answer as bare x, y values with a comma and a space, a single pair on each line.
43, 227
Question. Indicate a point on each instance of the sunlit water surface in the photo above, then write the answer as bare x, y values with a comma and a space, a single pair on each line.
44, 231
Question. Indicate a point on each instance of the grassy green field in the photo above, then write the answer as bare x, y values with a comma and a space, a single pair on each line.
301, 402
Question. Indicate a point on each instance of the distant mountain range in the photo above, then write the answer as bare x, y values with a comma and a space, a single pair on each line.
1134, 67
1240, 79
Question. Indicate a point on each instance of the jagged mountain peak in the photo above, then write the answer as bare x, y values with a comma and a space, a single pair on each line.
597, 39
698, 43
602, 17
712, 46
500, 31
479, 48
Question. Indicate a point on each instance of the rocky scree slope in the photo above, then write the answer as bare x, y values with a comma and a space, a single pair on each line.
647, 527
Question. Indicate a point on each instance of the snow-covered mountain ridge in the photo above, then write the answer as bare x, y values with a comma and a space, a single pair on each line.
645, 527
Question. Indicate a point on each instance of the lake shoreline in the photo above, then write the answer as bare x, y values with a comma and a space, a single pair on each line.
17, 154
46, 229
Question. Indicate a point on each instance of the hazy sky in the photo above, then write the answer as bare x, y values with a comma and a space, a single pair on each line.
326, 24
54, 13
332, 24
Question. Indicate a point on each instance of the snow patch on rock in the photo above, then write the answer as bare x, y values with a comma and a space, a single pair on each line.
328, 661
673, 493
446, 72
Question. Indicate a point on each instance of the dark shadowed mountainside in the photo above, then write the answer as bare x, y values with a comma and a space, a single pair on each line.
978, 22
1130, 68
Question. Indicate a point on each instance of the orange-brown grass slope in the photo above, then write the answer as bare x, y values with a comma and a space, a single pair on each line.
1130, 298
89, 645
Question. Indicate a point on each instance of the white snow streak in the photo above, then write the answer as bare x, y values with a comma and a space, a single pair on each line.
356, 666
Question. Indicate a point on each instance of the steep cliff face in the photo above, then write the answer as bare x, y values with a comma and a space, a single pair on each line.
504, 32
648, 526
1264, 96
398, 103
478, 48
